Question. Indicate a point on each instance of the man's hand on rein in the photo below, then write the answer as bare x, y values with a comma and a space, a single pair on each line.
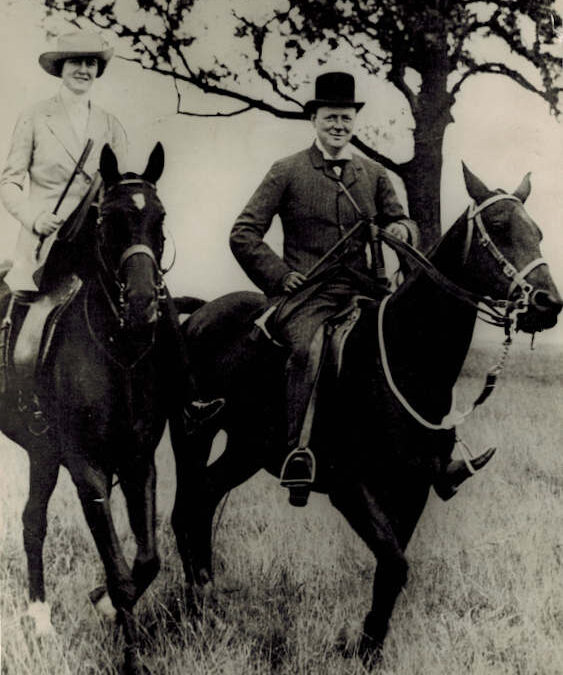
292, 281
400, 229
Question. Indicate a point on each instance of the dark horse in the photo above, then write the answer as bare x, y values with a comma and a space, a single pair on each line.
102, 391
376, 460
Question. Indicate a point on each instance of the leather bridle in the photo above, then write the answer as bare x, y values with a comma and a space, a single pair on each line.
498, 310
110, 275
516, 277
508, 320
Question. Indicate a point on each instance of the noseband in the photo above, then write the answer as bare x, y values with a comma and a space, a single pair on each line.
517, 278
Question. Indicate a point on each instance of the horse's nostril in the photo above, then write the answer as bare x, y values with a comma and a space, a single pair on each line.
545, 301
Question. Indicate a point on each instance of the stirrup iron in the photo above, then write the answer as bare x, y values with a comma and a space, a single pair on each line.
297, 453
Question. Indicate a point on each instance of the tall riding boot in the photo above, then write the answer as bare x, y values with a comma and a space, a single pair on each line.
196, 411
299, 468
457, 471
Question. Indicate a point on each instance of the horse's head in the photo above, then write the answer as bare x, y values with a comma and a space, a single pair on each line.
502, 250
130, 237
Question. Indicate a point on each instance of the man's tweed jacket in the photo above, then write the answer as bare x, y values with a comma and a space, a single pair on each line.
314, 212
45, 150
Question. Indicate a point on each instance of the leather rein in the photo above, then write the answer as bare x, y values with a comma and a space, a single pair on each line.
486, 305
508, 320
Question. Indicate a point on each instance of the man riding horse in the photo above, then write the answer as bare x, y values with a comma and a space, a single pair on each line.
326, 196
56, 145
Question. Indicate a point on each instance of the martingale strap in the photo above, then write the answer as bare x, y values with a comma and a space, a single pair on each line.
454, 417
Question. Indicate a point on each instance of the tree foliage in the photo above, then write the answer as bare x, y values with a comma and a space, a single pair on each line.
254, 53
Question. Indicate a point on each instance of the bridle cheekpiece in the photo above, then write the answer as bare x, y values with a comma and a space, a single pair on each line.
113, 274
516, 277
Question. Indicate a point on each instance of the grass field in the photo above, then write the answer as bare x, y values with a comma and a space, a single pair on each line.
485, 592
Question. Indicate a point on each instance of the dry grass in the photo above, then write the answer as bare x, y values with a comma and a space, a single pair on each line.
485, 593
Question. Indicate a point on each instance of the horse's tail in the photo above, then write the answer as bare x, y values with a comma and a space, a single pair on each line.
186, 304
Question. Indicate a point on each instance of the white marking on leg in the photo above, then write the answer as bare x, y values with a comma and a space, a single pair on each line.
40, 612
105, 607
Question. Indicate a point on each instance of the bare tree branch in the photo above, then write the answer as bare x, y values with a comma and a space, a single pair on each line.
500, 69
377, 156
200, 82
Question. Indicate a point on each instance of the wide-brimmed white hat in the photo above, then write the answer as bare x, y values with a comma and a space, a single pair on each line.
72, 45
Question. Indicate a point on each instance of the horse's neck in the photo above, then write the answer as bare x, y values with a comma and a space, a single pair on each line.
427, 332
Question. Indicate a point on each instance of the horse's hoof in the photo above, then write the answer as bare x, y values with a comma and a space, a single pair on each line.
132, 664
352, 642
347, 640
102, 603
457, 472
40, 612
208, 589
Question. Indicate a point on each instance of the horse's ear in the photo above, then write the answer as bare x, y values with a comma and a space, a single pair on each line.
475, 187
524, 189
155, 165
108, 166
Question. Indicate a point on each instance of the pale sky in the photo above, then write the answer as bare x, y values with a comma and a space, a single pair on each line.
213, 165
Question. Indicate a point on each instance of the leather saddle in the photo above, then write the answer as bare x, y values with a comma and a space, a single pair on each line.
325, 360
26, 336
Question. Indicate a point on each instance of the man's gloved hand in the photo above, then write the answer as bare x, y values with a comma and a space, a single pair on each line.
399, 229
292, 281
46, 223
406, 230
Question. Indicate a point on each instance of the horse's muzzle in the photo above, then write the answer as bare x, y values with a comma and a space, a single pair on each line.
543, 310
140, 312
140, 295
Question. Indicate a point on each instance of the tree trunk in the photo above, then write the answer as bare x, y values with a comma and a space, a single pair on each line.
422, 177
422, 173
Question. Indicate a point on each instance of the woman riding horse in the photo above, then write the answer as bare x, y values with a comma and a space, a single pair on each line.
106, 394
57, 145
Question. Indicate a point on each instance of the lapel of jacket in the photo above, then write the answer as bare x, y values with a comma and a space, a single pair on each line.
355, 173
351, 172
60, 125
318, 162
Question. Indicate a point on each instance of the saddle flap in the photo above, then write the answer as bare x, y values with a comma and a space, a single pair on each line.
342, 325
35, 336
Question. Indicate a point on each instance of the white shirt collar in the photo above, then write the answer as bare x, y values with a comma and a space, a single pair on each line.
345, 153
72, 100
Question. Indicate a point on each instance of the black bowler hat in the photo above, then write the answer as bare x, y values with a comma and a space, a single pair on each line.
333, 89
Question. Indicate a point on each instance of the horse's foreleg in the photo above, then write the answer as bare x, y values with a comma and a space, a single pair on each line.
193, 510
43, 473
373, 526
139, 487
199, 491
92, 485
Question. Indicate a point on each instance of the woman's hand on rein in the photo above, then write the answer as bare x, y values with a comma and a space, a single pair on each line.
46, 223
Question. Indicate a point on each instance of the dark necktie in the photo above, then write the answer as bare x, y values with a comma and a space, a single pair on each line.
336, 163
